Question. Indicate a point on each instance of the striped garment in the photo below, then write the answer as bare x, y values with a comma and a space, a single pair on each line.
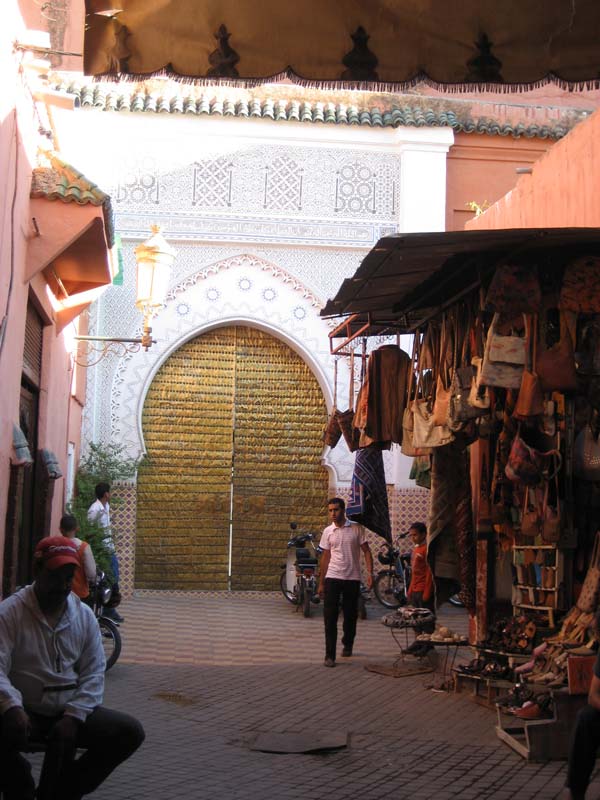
344, 545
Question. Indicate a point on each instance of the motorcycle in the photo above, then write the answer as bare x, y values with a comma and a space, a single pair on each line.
391, 584
101, 596
298, 581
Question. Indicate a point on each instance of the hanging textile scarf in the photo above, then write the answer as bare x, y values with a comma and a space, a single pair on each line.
368, 503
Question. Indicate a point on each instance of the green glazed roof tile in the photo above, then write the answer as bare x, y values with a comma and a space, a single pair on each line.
61, 181
393, 111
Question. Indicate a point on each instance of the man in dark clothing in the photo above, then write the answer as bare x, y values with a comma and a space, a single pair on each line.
342, 543
585, 740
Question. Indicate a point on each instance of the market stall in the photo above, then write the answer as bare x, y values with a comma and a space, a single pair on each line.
498, 403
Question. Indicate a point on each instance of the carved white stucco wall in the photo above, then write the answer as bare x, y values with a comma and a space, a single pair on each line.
267, 220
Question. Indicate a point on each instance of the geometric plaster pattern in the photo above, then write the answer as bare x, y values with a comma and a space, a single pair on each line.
263, 177
283, 185
241, 289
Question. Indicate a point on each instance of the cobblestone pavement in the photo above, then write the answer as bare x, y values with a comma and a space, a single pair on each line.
205, 673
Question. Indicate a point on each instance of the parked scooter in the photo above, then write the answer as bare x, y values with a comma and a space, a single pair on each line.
391, 584
298, 581
101, 597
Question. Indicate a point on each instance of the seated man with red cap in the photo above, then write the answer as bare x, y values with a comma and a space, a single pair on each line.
51, 686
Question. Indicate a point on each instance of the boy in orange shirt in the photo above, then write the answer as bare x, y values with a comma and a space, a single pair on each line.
85, 573
420, 591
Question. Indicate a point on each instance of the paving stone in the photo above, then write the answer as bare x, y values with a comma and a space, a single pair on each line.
206, 672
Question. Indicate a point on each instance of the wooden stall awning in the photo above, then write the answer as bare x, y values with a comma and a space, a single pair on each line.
408, 278
387, 45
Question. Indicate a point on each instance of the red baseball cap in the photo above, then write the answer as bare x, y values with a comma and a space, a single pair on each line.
56, 551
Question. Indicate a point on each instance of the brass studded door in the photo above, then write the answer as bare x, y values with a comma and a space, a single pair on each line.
232, 424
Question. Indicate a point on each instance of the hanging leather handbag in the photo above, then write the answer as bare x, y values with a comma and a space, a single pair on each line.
346, 418
589, 595
580, 289
426, 433
529, 466
531, 517
460, 409
555, 365
333, 432
551, 521
441, 403
503, 359
514, 289
407, 445
586, 455
530, 402
442, 386
479, 396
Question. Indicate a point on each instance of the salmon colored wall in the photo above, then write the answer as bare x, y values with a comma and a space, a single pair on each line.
19, 141
482, 168
562, 190
17, 148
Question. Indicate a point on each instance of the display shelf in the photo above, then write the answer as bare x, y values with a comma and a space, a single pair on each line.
548, 609
534, 547
534, 586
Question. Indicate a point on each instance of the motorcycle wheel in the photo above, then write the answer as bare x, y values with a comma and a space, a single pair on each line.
289, 596
111, 641
389, 589
306, 598
455, 600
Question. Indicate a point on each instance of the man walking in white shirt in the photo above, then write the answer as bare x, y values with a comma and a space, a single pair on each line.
99, 512
341, 542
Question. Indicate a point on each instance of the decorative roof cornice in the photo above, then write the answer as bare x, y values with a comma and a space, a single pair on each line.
375, 111
57, 180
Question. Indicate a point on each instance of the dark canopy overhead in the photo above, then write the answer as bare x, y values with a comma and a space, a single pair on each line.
407, 278
379, 44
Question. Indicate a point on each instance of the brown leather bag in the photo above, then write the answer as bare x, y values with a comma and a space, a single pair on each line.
530, 402
531, 517
441, 401
555, 365
333, 432
408, 420
551, 515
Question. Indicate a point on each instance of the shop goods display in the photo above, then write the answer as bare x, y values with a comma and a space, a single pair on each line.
408, 617
513, 634
441, 634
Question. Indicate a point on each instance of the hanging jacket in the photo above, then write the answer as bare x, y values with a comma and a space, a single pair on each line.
50, 671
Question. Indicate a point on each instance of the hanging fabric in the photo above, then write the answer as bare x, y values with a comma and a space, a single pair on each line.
368, 502
387, 378
346, 418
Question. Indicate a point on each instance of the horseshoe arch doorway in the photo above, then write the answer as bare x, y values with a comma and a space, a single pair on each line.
233, 425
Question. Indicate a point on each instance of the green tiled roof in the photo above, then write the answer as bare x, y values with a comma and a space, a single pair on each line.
402, 110
61, 181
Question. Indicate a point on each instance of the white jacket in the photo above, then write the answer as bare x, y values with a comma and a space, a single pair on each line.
50, 671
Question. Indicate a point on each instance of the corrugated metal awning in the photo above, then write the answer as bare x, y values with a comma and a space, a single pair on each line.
408, 277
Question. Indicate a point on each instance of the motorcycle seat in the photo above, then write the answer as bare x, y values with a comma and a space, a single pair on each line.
305, 558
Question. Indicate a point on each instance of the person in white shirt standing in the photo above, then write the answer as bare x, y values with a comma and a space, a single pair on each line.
99, 512
341, 542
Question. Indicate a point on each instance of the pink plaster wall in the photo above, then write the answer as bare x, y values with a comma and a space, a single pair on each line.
60, 413
561, 191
